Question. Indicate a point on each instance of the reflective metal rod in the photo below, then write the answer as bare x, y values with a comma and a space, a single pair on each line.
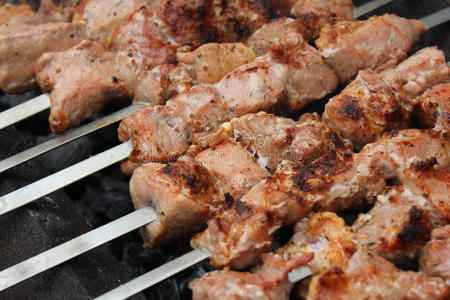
67, 137
24, 110
63, 178
159, 274
368, 7
437, 18
171, 268
75, 247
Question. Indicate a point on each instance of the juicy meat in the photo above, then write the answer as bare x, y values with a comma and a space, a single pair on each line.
377, 43
10, 13
162, 83
82, 80
269, 282
275, 139
211, 62
365, 109
433, 107
317, 13
232, 166
435, 256
102, 16
183, 194
226, 171
21, 45
398, 226
373, 277
200, 113
375, 103
138, 42
324, 234
22, 14
338, 180
419, 72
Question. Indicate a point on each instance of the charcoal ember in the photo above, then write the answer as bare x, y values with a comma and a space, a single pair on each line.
46, 223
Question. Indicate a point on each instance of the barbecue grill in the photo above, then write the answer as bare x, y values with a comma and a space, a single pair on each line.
103, 197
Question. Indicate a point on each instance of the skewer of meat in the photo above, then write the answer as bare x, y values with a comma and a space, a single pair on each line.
140, 45
290, 75
270, 139
223, 173
337, 181
395, 229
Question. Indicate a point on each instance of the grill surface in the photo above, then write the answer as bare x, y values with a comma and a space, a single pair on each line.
104, 197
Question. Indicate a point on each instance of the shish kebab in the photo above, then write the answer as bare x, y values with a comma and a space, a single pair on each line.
137, 44
157, 135
40, 267
174, 77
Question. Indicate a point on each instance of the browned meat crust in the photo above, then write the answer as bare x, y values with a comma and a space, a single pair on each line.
269, 282
435, 256
377, 43
433, 107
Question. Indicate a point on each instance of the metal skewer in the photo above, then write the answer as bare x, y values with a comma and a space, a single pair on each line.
75, 247
368, 7
67, 137
42, 102
63, 178
171, 268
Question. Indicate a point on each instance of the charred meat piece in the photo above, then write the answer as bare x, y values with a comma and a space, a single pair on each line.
211, 62
101, 16
421, 71
372, 104
324, 234
377, 44
336, 181
317, 13
82, 80
269, 282
435, 256
232, 166
260, 85
162, 83
275, 139
227, 171
19, 57
433, 107
182, 193
398, 226
373, 277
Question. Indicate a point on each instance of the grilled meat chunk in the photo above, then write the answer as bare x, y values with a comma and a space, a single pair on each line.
21, 45
377, 44
10, 13
373, 277
375, 103
82, 80
275, 139
211, 62
269, 282
338, 180
260, 85
100, 17
183, 194
226, 170
317, 13
324, 234
398, 226
232, 166
435, 256
162, 83
23, 14
433, 107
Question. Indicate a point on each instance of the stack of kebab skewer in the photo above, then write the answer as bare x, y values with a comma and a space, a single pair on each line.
229, 180
196, 173
122, 41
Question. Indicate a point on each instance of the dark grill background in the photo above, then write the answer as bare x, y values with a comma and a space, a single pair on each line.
104, 197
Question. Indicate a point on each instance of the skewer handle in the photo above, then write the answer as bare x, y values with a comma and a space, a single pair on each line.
368, 7
437, 18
